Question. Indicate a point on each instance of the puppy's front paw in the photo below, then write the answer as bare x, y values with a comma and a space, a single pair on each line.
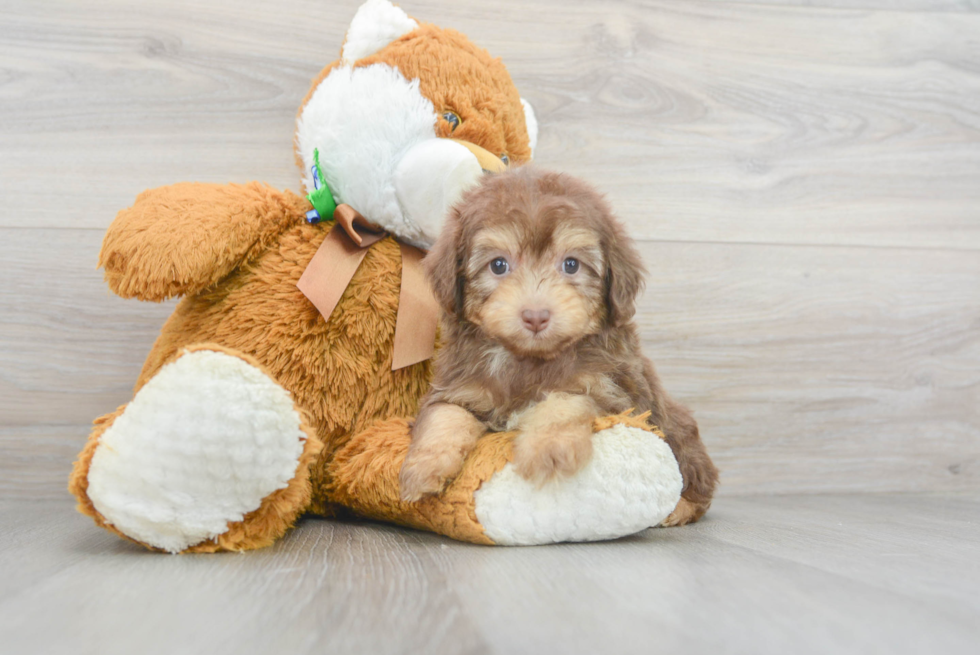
543, 454
426, 471
442, 437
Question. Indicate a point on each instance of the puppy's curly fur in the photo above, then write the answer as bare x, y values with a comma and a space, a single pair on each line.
538, 283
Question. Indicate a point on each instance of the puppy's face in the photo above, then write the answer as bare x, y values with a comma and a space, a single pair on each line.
533, 282
536, 260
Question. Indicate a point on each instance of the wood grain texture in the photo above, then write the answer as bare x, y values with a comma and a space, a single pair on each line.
804, 176
818, 574
703, 120
810, 369
917, 6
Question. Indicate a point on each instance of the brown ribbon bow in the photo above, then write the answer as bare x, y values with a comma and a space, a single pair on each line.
336, 261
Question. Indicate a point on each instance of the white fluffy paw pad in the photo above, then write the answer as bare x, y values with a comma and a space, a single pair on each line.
201, 445
631, 483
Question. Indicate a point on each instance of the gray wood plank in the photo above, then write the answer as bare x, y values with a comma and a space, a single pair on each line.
705, 121
797, 359
762, 575
912, 539
66, 343
36, 460
809, 368
965, 6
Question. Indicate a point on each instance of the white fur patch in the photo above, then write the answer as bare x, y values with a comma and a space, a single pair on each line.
376, 24
201, 445
631, 483
531, 121
364, 120
429, 180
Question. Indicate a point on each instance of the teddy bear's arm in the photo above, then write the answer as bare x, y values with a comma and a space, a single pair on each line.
183, 238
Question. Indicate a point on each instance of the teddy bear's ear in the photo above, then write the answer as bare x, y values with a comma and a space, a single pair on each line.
532, 124
376, 24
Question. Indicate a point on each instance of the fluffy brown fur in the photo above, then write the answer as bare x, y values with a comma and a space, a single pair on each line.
538, 281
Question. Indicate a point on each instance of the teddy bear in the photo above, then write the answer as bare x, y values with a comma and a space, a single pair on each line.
284, 381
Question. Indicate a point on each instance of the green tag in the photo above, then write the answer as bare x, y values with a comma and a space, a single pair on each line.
321, 198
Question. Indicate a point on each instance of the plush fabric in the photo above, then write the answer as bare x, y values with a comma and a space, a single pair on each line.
630, 483
201, 445
180, 239
337, 370
258, 528
375, 25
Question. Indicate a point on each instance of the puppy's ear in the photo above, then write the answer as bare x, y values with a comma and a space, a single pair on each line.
624, 275
444, 265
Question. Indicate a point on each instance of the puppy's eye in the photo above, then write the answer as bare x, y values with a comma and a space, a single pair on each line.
451, 118
499, 266
504, 158
570, 266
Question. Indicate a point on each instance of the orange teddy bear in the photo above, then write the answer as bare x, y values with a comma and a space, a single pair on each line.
275, 386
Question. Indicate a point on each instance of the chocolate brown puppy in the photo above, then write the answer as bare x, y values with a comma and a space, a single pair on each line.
538, 282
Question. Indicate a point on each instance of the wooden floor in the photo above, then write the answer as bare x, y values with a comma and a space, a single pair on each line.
804, 180
794, 574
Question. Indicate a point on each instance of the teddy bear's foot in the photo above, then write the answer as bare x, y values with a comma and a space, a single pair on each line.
210, 455
631, 483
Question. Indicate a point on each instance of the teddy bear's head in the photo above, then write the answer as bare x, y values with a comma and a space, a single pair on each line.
408, 119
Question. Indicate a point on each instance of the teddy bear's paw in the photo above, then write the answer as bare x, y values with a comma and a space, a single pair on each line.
631, 483
200, 446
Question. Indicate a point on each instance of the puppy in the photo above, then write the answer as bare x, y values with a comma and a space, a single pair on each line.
538, 282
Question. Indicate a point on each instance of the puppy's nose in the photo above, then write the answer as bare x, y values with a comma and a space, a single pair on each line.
535, 320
